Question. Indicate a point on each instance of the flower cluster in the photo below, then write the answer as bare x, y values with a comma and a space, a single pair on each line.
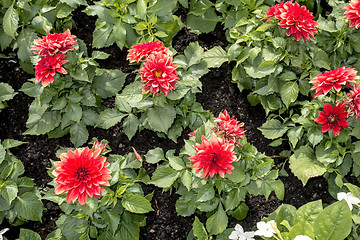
217, 155
334, 117
159, 72
298, 20
51, 49
80, 174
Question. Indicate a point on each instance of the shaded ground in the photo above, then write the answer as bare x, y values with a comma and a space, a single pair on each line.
218, 94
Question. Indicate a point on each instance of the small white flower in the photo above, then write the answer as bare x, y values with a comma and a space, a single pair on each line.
349, 198
266, 229
239, 234
2, 233
302, 237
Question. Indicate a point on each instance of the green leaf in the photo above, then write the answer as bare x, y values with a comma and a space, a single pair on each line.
304, 165
215, 57
161, 118
32, 89
193, 53
9, 190
74, 3
301, 228
289, 93
273, 128
315, 135
10, 143
74, 111
267, 67
240, 212
29, 206
309, 212
186, 179
101, 35
163, 8
109, 118
321, 60
130, 125
69, 227
234, 198
141, 9
27, 234
136, 203
108, 83
199, 230
78, 134
217, 223
204, 23
11, 21
43, 124
176, 163
154, 155
206, 193
186, 204
112, 219
164, 177
334, 222
2, 153
6, 92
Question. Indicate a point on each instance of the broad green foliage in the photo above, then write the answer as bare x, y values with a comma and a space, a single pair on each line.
20, 199
6, 93
218, 197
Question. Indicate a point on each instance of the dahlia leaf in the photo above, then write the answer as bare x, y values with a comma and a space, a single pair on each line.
109, 118
215, 57
141, 7
69, 227
334, 222
186, 179
164, 177
304, 165
163, 8
161, 118
234, 198
27, 234
176, 163
108, 83
204, 23
74, 3
199, 230
273, 129
74, 111
154, 155
186, 204
309, 212
129, 230
32, 89
217, 223
11, 21
29, 206
119, 33
130, 125
2, 153
136, 203
315, 135
90, 117
101, 35
321, 60
6, 92
78, 134
206, 193
193, 53
112, 219
289, 93
9, 190
240, 212
43, 124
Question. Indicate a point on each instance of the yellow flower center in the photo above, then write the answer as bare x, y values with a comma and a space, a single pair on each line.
157, 74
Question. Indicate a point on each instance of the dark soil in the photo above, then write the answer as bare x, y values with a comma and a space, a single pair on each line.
218, 94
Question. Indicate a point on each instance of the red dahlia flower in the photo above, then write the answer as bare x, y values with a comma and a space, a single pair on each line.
323, 83
51, 44
47, 67
353, 13
275, 10
228, 128
144, 50
159, 73
81, 173
214, 156
352, 101
333, 118
295, 18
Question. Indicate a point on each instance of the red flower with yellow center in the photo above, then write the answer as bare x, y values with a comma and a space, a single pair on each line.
353, 13
342, 76
352, 101
51, 44
144, 50
159, 73
333, 118
47, 67
80, 174
213, 157
228, 128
